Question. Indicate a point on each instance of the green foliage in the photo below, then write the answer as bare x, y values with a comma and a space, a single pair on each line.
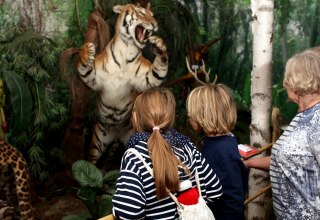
77, 25
21, 100
8, 23
177, 26
296, 28
96, 190
36, 100
180, 30
243, 98
87, 174
106, 6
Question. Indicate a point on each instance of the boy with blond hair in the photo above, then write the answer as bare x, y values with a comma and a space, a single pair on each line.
211, 109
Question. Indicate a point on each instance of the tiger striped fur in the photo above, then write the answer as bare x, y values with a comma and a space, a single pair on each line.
120, 72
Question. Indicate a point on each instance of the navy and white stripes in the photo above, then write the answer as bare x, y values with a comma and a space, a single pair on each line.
135, 196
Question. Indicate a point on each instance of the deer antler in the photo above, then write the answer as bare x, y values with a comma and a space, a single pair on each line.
194, 73
206, 73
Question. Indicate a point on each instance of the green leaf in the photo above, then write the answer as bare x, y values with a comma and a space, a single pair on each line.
21, 100
87, 174
25, 38
105, 205
111, 191
111, 176
87, 194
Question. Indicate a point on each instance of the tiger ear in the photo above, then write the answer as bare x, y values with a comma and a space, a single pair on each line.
117, 9
148, 6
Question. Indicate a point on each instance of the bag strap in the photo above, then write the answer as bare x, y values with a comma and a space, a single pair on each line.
173, 197
198, 182
133, 150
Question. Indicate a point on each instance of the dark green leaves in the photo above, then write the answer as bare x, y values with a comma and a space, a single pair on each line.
87, 174
21, 100
95, 190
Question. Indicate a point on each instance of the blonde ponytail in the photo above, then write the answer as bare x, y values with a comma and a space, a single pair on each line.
154, 112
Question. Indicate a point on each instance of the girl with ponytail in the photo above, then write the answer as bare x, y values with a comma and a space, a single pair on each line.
172, 157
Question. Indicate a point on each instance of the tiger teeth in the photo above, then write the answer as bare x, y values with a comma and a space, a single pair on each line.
144, 32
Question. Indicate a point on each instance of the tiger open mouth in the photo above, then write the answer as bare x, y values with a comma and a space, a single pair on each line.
142, 34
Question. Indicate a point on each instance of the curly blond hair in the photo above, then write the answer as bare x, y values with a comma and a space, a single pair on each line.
213, 108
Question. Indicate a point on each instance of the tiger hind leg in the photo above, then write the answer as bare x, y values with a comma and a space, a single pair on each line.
101, 138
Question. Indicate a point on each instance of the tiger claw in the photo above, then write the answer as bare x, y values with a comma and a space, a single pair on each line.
158, 44
88, 52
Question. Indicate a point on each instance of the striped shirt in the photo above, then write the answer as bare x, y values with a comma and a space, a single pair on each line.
295, 168
135, 196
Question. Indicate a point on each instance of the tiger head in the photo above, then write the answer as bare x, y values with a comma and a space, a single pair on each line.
135, 23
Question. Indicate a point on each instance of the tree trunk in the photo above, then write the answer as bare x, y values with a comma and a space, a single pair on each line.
74, 140
314, 32
41, 16
205, 20
261, 97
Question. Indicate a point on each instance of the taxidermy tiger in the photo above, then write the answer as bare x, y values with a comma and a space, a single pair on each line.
120, 72
14, 181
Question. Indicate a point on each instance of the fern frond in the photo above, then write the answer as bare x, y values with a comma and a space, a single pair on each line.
36, 155
24, 39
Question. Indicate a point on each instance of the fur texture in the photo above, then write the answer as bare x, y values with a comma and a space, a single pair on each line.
120, 72
14, 184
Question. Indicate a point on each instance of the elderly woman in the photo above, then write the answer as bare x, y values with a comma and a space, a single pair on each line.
294, 164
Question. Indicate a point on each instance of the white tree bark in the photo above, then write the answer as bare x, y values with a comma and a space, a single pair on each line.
261, 98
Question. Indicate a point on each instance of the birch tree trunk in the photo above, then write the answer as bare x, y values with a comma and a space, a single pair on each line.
261, 97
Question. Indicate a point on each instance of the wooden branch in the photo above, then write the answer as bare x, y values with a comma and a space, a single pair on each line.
265, 189
178, 80
78, 16
200, 52
266, 147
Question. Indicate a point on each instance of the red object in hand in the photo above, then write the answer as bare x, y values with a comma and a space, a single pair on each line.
189, 197
247, 151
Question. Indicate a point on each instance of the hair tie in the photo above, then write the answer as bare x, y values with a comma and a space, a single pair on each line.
156, 128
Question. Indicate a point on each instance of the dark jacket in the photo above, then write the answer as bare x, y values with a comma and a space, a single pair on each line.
221, 152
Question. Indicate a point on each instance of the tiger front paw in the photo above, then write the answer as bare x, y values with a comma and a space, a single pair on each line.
87, 54
158, 45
